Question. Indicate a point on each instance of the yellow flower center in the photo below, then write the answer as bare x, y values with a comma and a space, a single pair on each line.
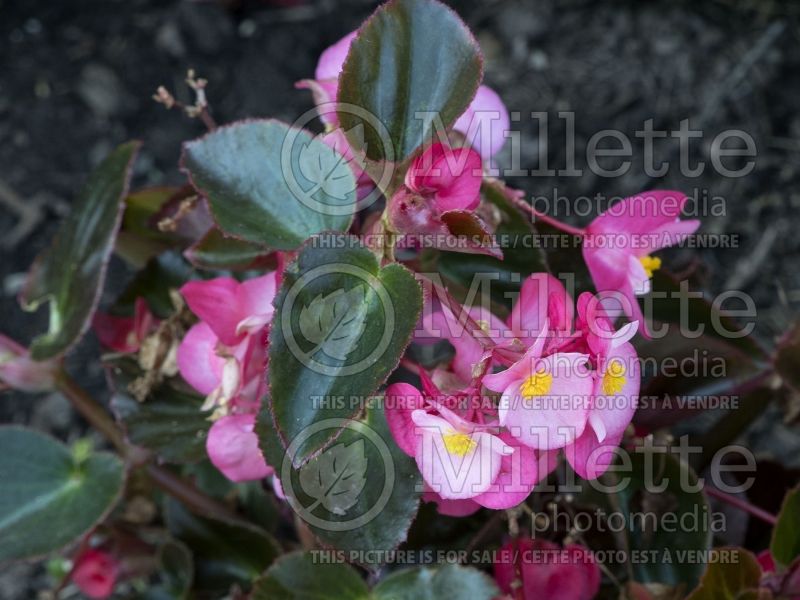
537, 384
484, 325
459, 444
614, 378
651, 264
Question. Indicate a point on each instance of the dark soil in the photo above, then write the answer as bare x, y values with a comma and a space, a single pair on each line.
76, 79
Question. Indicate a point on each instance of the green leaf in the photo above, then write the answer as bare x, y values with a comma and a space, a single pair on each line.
47, 498
70, 273
785, 546
271, 184
297, 576
225, 553
449, 582
340, 328
169, 422
215, 251
176, 573
371, 515
639, 505
138, 240
732, 574
518, 240
411, 60
167, 271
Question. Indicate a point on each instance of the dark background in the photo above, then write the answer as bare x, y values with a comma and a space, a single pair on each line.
76, 79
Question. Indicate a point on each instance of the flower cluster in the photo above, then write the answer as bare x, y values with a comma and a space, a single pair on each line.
224, 357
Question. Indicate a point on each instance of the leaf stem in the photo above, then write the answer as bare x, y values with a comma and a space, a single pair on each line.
742, 505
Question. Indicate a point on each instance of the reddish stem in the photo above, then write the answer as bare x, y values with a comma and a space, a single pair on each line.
524, 206
742, 505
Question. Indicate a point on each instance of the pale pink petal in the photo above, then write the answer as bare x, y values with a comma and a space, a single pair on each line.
332, 58
640, 214
254, 299
18, 371
499, 382
589, 457
455, 476
613, 409
198, 362
485, 122
232, 447
556, 418
401, 399
518, 474
215, 302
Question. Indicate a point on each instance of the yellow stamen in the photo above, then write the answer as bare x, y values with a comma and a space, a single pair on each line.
537, 384
484, 325
651, 264
614, 378
459, 444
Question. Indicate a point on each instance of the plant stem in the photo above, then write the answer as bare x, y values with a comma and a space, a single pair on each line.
525, 207
170, 483
91, 411
742, 505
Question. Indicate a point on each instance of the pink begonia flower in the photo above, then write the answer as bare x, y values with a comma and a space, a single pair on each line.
451, 508
232, 309
402, 399
484, 122
541, 570
20, 372
95, 573
544, 400
456, 459
619, 244
443, 324
124, 334
766, 561
542, 300
450, 177
232, 446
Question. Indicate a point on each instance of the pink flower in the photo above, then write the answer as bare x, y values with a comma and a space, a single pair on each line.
451, 508
483, 124
544, 571
95, 573
457, 459
437, 202
232, 309
232, 446
544, 401
124, 334
542, 301
619, 244
19, 371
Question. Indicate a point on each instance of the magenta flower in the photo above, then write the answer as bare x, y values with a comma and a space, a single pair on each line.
435, 206
483, 124
232, 446
536, 569
20, 372
543, 302
619, 244
124, 334
95, 573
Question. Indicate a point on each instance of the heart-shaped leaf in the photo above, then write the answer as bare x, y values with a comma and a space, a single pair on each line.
785, 546
412, 62
271, 184
70, 273
380, 496
48, 497
297, 576
225, 553
448, 582
337, 477
340, 327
